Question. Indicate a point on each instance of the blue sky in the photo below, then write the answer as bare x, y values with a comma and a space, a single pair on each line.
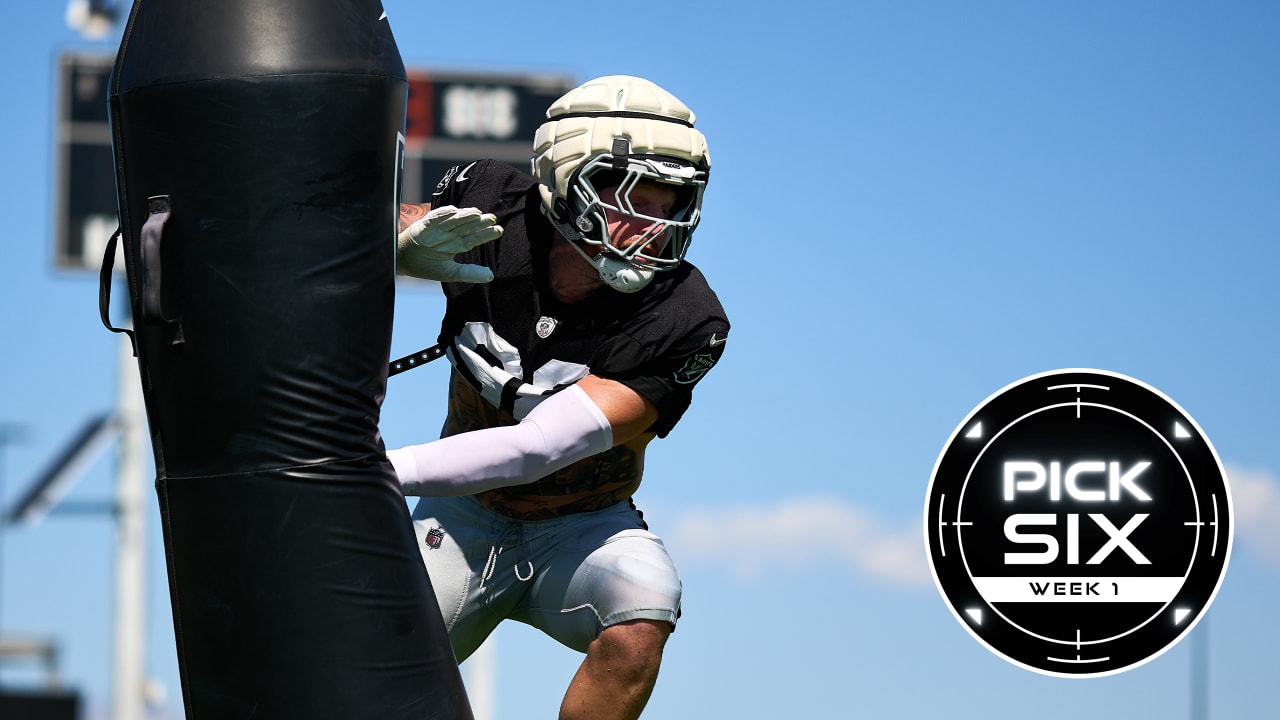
913, 204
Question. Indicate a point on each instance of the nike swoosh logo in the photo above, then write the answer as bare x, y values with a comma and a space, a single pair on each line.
716, 343
462, 176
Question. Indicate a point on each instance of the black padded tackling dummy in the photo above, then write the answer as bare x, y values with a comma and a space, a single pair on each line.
257, 146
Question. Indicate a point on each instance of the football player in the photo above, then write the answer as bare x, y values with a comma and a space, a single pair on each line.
577, 332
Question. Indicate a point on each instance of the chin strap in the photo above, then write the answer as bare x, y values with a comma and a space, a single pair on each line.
617, 274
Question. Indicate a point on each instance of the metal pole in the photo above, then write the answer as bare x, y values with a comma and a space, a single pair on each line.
8, 434
1200, 671
130, 609
481, 676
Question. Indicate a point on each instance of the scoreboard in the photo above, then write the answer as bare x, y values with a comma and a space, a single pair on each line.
451, 117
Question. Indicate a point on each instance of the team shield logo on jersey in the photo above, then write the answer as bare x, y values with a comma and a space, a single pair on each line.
697, 364
545, 326
435, 537
444, 181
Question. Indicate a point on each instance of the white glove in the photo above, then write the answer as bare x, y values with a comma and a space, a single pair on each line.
426, 248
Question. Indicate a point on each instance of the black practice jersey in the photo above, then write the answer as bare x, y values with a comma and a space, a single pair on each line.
512, 342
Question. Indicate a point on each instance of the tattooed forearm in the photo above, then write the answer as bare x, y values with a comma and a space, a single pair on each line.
409, 214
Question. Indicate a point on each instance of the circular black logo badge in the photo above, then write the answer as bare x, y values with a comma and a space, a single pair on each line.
1078, 523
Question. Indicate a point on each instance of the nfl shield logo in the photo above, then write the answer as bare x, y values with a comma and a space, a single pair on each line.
546, 326
434, 537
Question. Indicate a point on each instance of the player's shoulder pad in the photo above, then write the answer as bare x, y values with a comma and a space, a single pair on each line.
690, 368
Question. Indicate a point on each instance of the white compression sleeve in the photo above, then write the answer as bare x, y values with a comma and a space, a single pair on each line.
561, 430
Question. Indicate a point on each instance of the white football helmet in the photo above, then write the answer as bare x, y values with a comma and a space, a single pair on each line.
615, 131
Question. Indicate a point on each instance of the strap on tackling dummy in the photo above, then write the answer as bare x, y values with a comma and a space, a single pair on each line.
560, 431
104, 291
422, 357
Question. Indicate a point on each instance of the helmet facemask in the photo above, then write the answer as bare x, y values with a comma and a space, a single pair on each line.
628, 263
